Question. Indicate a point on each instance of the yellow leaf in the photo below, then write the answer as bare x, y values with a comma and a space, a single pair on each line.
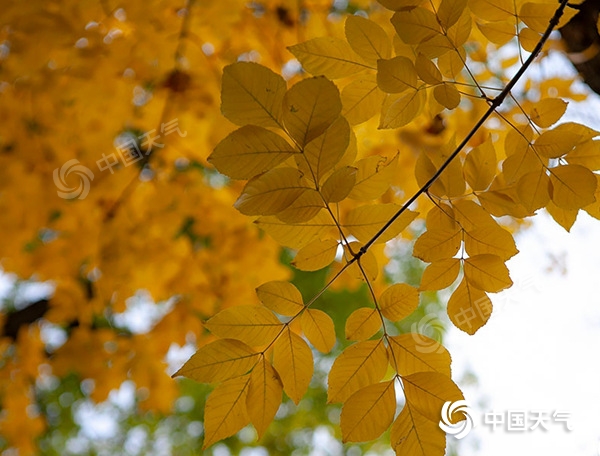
309, 108
219, 360
564, 217
586, 154
328, 56
339, 185
271, 192
537, 15
410, 353
249, 151
427, 392
502, 202
528, 38
471, 215
293, 360
451, 63
415, 25
493, 10
534, 190
435, 245
480, 165
490, 239
361, 99
396, 75
520, 163
253, 325
319, 329
398, 301
414, 435
487, 272
427, 71
362, 323
441, 217
399, 110
359, 365
396, 5
548, 111
316, 255
447, 95
594, 208
373, 177
368, 412
264, 396
450, 11
304, 208
498, 33
556, 143
440, 274
281, 297
469, 308
225, 412
573, 186
367, 262
368, 39
364, 222
296, 235
325, 151
252, 94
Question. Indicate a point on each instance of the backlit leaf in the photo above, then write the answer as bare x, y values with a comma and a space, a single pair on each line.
534, 190
557, 142
427, 392
225, 412
399, 110
364, 222
309, 108
435, 245
469, 308
361, 99
339, 185
396, 75
250, 151
415, 25
498, 33
447, 95
410, 353
487, 272
281, 297
573, 186
427, 71
368, 412
492, 239
440, 274
252, 94
271, 192
293, 360
363, 323
493, 10
296, 235
316, 255
325, 151
359, 365
219, 360
548, 111
586, 154
264, 396
471, 215
564, 217
414, 435
304, 208
253, 325
398, 301
537, 15
328, 56
373, 177
480, 165
319, 329
450, 11
367, 39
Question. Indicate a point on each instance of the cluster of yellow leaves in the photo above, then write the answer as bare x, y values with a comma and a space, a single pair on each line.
306, 187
